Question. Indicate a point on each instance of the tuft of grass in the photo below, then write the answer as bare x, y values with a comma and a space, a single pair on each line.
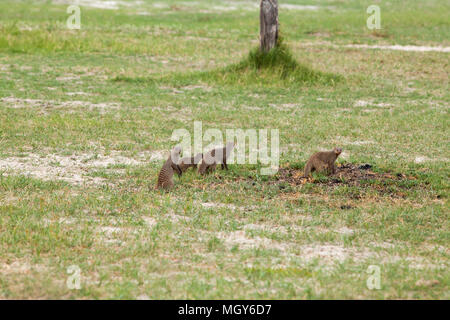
276, 65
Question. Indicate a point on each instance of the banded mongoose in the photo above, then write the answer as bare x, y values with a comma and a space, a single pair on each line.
322, 161
215, 156
189, 162
165, 180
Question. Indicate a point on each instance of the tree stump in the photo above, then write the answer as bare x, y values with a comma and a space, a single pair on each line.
268, 19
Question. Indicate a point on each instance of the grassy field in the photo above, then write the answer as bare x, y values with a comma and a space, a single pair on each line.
86, 118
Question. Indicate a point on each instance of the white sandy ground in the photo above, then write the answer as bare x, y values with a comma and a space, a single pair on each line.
327, 254
219, 6
422, 159
20, 266
19, 103
73, 169
396, 47
113, 235
400, 47
239, 238
47, 106
215, 205
100, 4
346, 141
295, 228
78, 93
365, 103
149, 221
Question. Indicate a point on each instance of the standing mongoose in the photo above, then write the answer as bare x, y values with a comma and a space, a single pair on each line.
322, 161
165, 180
215, 156
189, 162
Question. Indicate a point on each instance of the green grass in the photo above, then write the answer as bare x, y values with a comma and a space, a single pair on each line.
86, 118
278, 67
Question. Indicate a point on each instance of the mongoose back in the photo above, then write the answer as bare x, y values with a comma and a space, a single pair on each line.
165, 180
215, 156
189, 162
322, 161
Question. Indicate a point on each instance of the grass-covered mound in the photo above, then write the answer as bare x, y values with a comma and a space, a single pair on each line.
276, 67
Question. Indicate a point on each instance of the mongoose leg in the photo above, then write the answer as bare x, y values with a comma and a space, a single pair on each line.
333, 168
177, 169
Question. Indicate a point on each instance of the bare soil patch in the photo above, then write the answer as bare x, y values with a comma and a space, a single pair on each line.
244, 242
46, 106
353, 175
20, 266
77, 168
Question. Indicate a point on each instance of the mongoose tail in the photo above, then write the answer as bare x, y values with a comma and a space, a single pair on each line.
308, 169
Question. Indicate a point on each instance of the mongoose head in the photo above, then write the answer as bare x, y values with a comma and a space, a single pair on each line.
175, 154
337, 151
